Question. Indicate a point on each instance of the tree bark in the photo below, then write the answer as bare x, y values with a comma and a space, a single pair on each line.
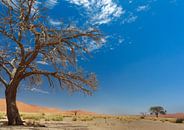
157, 115
11, 107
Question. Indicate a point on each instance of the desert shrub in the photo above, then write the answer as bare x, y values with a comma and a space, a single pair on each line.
118, 118
67, 116
162, 120
43, 114
142, 117
74, 119
122, 119
105, 117
172, 120
54, 118
36, 118
47, 119
57, 118
2, 116
32, 117
179, 120
86, 119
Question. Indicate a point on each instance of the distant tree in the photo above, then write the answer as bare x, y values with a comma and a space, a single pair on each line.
28, 43
75, 113
143, 115
156, 110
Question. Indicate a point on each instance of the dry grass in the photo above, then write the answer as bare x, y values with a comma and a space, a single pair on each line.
41, 117
2, 115
61, 117
96, 122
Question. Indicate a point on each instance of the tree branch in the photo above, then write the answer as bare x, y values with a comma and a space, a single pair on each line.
69, 79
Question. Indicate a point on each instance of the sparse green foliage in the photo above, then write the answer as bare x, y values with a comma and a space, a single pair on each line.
43, 116
35, 117
156, 110
86, 118
56, 118
2, 116
74, 119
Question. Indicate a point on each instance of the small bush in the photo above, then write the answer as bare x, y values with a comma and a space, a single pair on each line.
179, 120
57, 118
43, 114
32, 117
74, 119
87, 119
47, 119
54, 118
67, 116
2, 116
142, 117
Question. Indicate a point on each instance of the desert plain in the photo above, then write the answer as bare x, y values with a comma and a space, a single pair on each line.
43, 118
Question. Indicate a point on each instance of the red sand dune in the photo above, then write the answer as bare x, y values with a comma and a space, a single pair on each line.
23, 107
80, 112
175, 115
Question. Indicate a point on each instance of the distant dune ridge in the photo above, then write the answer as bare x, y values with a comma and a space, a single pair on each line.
23, 107
175, 115
28, 108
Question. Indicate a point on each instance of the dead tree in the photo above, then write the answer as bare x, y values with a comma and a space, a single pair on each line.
28, 42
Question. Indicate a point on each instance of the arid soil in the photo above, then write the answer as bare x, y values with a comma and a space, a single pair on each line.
101, 124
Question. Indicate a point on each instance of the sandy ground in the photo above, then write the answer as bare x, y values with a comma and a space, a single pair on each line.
101, 124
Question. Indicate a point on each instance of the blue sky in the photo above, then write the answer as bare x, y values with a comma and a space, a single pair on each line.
140, 65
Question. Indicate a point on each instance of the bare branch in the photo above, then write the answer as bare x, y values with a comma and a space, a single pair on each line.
32, 42
69, 79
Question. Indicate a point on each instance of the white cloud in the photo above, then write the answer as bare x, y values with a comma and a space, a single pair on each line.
130, 1
54, 22
48, 3
38, 91
142, 8
51, 3
95, 46
121, 40
42, 62
130, 19
100, 11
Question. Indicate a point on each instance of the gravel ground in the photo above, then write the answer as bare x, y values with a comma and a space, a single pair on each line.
100, 124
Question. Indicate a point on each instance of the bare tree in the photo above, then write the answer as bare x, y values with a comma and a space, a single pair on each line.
28, 42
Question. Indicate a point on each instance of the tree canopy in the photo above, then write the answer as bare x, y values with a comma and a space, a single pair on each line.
29, 43
156, 110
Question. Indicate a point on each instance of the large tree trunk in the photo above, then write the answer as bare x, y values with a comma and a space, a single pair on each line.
11, 107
